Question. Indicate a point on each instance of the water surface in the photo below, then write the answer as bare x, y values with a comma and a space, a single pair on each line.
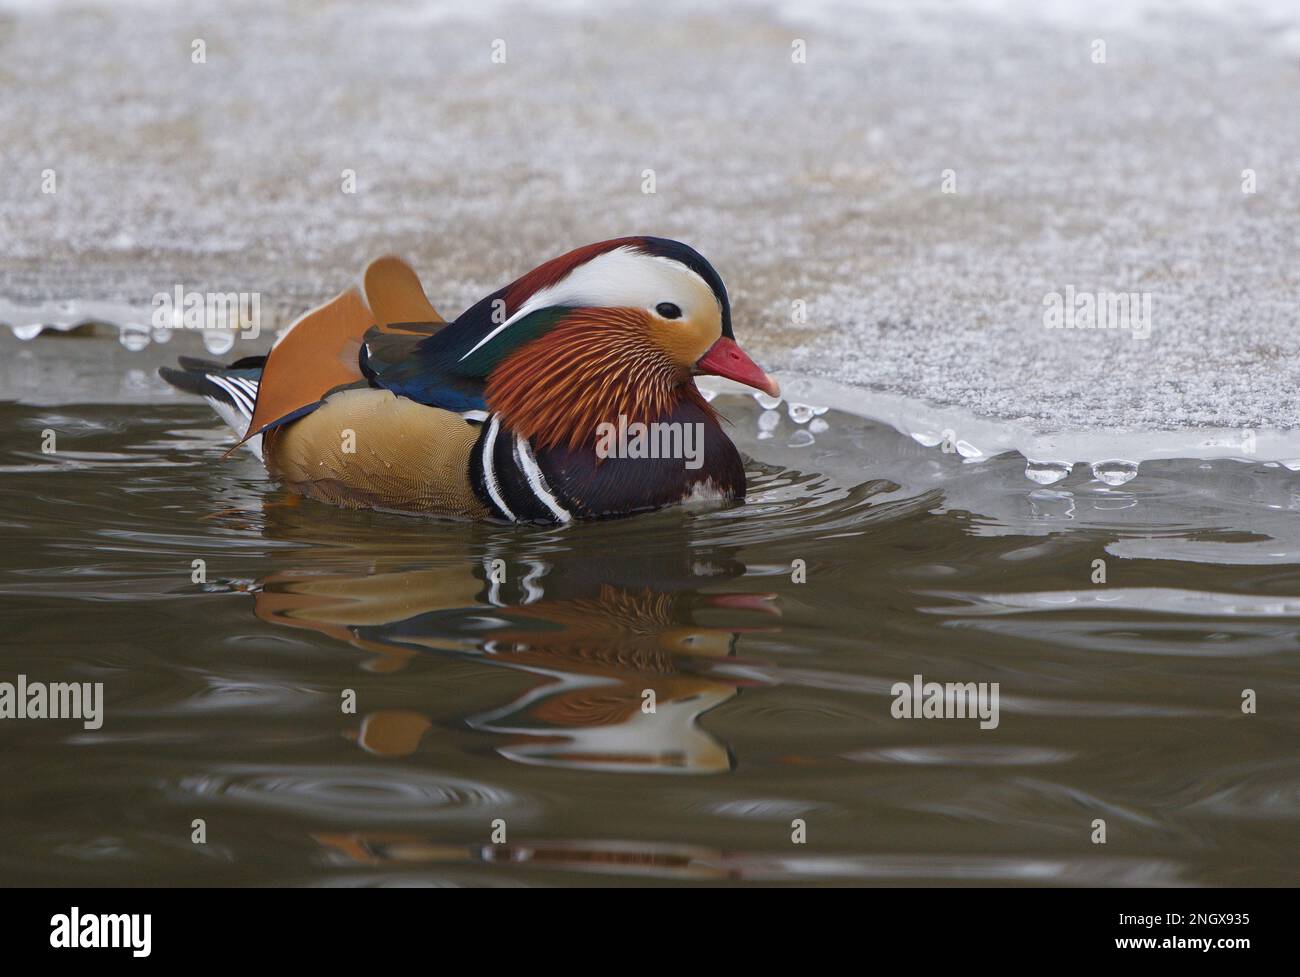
522, 699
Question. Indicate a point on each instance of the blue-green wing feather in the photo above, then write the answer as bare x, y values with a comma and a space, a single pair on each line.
450, 368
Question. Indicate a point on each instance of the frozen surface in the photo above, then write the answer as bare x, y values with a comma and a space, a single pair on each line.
818, 183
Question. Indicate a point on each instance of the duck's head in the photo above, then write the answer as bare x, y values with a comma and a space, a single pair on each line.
621, 327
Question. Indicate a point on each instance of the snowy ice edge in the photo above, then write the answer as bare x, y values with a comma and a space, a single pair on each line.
1113, 454
1048, 455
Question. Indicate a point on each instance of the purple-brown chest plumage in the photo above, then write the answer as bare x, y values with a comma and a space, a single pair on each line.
628, 468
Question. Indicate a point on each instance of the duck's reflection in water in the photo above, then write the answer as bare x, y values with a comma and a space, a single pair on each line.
641, 858
622, 660
396, 853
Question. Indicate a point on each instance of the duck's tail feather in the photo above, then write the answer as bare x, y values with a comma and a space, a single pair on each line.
318, 354
198, 363
230, 390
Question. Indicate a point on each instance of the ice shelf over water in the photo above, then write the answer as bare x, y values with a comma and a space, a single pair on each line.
817, 189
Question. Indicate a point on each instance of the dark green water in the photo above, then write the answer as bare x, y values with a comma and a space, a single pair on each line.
523, 700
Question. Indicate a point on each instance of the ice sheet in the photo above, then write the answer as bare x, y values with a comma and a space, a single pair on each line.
817, 182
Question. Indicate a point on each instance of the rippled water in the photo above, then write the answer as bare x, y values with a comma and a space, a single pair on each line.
522, 700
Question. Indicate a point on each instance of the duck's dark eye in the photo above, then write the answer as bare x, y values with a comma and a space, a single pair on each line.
668, 310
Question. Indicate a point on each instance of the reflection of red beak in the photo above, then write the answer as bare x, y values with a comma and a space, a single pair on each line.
726, 359
761, 603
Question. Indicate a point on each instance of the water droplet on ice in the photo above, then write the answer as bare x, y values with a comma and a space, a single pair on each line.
134, 337
28, 332
768, 420
802, 438
1046, 472
800, 413
161, 335
766, 402
1115, 472
818, 426
218, 341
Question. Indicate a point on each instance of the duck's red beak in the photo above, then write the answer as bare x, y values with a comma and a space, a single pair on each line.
726, 359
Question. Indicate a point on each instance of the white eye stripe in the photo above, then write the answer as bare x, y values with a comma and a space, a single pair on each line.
621, 277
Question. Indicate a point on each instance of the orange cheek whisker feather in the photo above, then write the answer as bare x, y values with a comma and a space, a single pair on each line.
558, 389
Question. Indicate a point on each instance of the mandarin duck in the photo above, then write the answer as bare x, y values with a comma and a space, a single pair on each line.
508, 412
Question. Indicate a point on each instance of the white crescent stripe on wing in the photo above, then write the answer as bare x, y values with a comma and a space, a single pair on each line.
489, 470
527, 463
